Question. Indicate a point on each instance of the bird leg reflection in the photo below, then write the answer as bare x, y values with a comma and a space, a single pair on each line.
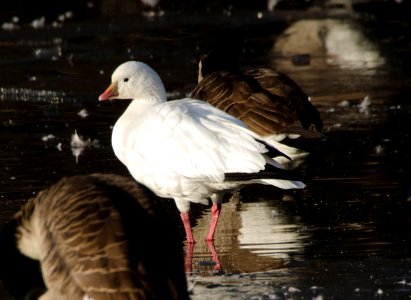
188, 261
214, 255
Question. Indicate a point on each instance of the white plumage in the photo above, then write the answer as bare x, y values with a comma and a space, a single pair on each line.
183, 149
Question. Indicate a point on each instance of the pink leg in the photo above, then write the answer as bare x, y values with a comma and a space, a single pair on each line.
215, 213
185, 217
214, 255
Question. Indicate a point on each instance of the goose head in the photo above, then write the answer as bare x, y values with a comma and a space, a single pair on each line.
135, 80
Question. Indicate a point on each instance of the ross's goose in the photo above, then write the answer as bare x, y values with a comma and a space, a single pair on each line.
271, 104
186, 149
99, 236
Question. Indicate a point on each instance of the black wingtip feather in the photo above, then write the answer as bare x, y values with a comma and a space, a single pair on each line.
270, 172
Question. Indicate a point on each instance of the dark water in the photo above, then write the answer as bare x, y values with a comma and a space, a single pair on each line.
347, 235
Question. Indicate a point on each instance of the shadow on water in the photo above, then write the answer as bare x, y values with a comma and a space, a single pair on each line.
346, 235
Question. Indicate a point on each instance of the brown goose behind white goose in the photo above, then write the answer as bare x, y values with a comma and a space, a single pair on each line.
269, 103
100, 237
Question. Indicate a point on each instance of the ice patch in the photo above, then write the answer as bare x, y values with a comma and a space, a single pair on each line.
9, 26
83, 113
38, 23
48, 137
344, 103
79, 144
379, 149
364, 105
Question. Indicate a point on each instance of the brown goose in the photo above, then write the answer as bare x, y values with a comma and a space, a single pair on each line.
100, 236
269, 103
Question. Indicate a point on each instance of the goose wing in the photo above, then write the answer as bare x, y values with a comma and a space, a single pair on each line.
291, 95
191, 139
243, 97
90, 240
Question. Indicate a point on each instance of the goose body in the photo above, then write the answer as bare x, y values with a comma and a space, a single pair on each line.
186, 149
96, 237
271, 104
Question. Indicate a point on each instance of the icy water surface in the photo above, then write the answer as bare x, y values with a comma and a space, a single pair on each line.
347, 235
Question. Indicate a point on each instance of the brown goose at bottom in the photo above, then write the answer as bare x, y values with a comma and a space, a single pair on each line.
99, 236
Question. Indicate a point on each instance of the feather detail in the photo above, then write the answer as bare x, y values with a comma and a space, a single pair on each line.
86, 232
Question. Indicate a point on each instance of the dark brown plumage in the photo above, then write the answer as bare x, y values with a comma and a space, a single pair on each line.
269, 103
101, 237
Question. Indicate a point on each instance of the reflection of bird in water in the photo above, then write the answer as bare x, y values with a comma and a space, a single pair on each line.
266, 232
205, 255
187, 149
269, 103
329, 41
96, 237
251, 237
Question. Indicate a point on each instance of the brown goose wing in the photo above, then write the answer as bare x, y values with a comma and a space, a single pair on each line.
243, 97
96, 239
291, 94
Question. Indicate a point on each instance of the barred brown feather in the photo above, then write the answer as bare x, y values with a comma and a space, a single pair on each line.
102, 236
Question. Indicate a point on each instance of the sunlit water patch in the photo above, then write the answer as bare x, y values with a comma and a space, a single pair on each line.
27, 94
267, 231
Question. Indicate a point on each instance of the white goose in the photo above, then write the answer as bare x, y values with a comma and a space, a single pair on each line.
95, 237
186, 149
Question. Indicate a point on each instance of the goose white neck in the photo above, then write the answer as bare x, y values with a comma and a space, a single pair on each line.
155, 95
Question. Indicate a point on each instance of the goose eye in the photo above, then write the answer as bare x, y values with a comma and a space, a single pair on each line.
125, 79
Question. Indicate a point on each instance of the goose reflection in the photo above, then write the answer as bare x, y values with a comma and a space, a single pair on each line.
342, 43
266, 231
251, 237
